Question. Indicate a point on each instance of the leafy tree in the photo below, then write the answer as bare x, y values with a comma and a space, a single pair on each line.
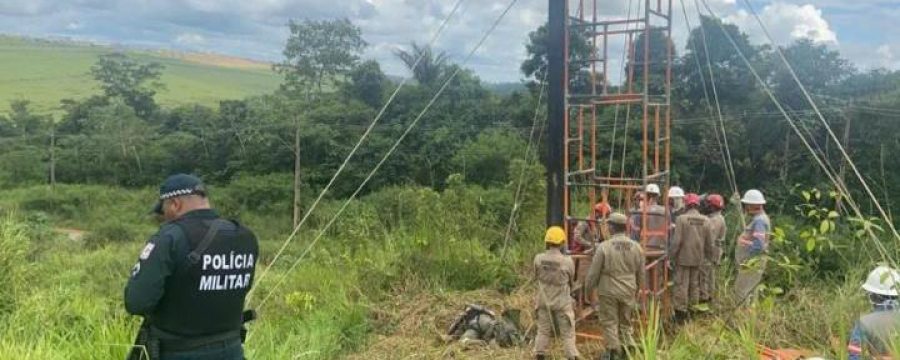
135, 83
658, 49
22, 145
319, 51
367, 83
734, 82
818, 68
486, 159
431, 67
110, 148
21, 121
535, 66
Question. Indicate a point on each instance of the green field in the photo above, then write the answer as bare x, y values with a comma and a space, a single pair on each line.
45, 72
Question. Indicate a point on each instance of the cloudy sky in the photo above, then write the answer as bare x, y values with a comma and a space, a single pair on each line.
861, 29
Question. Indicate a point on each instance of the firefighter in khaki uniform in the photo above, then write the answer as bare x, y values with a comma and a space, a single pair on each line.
554, 304
692, 247
616, 274
718, 228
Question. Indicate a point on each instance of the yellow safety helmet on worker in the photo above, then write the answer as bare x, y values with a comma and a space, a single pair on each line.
555, 236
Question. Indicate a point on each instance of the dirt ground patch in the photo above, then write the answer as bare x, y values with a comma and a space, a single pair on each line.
72, 234
218, 60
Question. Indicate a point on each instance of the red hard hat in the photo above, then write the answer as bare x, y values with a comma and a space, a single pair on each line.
602, 209
716, 201
692, 199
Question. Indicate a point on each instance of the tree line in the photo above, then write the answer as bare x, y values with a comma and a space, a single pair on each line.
330, 94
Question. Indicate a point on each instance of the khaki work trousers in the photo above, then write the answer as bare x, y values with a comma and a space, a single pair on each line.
614, 316
565, 321
708, 276
748, 277
687, 287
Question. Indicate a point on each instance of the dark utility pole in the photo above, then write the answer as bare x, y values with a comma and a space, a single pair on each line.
556, 109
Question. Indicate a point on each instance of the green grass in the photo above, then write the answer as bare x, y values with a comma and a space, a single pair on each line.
62, 298
46, 72
383, 284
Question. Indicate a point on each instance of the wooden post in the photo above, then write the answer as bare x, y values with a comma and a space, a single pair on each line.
843, 171
52, 156
296, 172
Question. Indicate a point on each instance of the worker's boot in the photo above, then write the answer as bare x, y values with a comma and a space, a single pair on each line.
540, 357
681, 316
618, 354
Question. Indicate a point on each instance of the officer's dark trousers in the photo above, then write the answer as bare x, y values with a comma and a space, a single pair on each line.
230, 350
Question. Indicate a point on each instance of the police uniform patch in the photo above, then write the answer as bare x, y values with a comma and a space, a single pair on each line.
136, 269
147, 251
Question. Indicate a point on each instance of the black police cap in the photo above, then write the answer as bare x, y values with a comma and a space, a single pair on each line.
179, 185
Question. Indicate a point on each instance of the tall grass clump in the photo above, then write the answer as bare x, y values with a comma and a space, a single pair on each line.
13, 262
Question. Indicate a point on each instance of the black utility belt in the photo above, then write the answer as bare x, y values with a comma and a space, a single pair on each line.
176, 344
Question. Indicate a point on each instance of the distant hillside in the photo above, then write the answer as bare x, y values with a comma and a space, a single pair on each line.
47, 71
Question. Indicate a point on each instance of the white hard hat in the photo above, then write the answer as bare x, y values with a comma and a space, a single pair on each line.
652, 189
676, 192
882, 281
753, 197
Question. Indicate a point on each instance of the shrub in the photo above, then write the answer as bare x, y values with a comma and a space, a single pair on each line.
112, 230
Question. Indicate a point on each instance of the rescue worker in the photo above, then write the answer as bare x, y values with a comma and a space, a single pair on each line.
191, 279
554, 274
691, 250
657, 226
676, 201
616, 274
601, 213
751, 245
586, 235
873, 333
718, 229
589, 232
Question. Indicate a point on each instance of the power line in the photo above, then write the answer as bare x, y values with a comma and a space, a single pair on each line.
815, 107
391, 150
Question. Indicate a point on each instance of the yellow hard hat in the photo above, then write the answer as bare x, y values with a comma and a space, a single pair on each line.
555, 235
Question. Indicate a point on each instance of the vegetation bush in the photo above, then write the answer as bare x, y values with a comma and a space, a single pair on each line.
13, 252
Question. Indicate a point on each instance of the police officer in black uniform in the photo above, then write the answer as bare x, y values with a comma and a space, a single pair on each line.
191, 279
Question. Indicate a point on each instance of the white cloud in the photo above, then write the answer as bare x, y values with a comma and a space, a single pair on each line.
256, 28
190, 39
886, 57
786, 23
24, 7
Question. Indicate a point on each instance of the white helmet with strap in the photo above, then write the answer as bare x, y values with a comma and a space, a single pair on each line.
676, 192
882, 281
652, 189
